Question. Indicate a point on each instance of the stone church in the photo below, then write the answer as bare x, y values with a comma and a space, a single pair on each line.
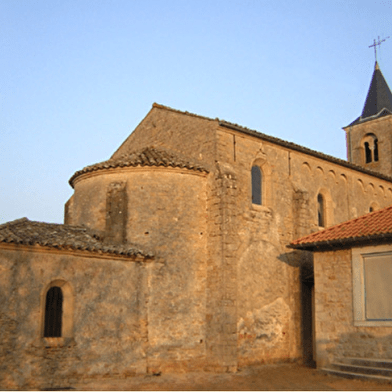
174, 255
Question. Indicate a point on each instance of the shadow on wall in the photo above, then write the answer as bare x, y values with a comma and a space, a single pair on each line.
298, 258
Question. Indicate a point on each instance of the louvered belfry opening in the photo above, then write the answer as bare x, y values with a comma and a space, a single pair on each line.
53, 312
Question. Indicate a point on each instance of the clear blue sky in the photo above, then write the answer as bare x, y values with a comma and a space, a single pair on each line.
77, 76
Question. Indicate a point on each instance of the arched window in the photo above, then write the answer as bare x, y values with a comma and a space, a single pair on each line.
320, 211
368, 153
370, 145
375, 152
257, 178
53, 312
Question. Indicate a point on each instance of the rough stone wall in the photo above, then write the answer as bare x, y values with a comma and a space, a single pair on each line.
347, 193
110, 319
166, 212
335, 331
268, 284
382, 129
237, 284
267, 295
222, 299
187, 134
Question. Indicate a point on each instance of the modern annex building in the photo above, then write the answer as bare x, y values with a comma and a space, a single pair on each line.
174, 252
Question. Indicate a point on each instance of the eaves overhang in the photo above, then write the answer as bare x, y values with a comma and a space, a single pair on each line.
304, 150
343, 243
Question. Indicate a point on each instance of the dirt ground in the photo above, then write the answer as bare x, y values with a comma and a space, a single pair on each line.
263, 378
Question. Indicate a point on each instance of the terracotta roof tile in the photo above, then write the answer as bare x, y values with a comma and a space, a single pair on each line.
149, 156
372, 226
26, 232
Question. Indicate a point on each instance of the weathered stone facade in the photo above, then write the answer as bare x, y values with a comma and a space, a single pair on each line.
222, 289
107, 300
338, 335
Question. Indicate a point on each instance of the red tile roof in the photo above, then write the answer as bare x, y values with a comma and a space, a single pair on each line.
373, 226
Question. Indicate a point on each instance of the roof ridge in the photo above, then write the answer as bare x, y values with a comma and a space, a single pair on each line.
159, 106
306, 150
14, 222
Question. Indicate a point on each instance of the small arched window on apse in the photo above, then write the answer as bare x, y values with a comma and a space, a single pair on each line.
257, 183
53, 313
57, 308
370, 145
320, 210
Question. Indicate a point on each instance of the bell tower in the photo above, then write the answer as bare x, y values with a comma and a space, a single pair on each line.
369, 137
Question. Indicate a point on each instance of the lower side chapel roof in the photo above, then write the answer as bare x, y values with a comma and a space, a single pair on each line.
59, 236
374, 226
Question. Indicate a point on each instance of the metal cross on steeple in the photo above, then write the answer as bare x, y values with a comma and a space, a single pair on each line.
375, 45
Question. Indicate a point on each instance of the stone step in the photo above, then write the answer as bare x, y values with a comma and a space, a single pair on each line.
372, 362
359, 376
377, 371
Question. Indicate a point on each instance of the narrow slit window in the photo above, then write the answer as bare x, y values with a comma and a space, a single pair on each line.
256, 185
368, 153
375, 150
320, 211
53, 312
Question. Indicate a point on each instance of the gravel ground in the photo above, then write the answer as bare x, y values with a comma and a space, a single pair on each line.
263, 378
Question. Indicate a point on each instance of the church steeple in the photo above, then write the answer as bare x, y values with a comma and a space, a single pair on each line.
379, 96
369, 137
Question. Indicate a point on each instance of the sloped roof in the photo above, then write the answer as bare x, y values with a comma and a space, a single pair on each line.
149, 156
52, 235
280, 142
378, 101
370, 227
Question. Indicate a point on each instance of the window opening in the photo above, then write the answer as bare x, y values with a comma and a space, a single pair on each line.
256, 185
375, 150
53, 312
368, 153
320, 211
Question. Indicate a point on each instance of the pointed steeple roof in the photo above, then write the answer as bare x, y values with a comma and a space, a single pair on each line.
379, 96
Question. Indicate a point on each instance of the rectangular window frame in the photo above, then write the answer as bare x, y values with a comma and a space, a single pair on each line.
358, 276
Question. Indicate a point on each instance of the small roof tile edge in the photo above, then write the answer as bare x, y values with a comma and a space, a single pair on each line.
118, 250
341, 243
305, 242
359, 120
119, 163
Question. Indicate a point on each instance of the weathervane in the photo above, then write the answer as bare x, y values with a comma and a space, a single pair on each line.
377, 43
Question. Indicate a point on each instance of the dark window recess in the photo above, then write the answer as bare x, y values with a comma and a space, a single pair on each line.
53, 312
368, 153
256, 185
375, 150
320, 211
371, 209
